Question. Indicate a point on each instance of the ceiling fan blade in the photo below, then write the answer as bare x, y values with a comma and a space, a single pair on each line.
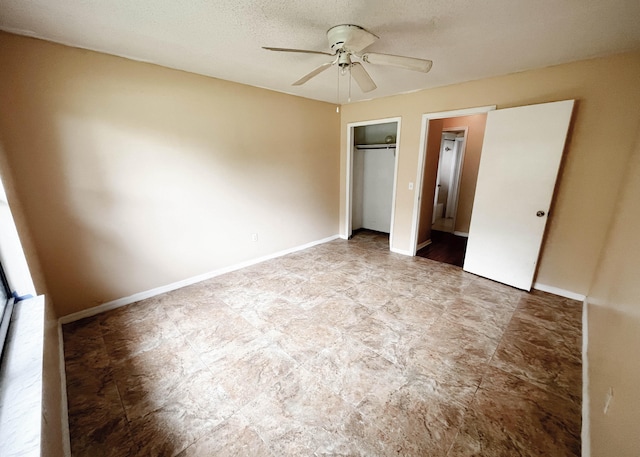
313, 74
362, 77
408, 63
305, 51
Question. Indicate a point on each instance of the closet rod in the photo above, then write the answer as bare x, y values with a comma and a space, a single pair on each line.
375, 146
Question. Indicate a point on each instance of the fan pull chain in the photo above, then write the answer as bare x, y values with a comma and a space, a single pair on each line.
349, 98
338, 92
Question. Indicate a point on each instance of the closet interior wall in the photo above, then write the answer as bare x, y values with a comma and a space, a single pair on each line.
373, 175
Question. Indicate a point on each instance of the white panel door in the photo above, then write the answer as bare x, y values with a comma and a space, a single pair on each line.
377, 189
519, 165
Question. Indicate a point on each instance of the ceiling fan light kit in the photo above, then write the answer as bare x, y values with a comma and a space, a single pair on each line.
348, 41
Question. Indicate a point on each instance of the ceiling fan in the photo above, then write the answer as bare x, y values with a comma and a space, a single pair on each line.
348, 41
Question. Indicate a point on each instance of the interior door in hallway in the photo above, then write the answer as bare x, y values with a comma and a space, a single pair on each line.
521, 156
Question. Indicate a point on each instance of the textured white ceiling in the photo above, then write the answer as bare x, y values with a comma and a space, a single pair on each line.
466, 39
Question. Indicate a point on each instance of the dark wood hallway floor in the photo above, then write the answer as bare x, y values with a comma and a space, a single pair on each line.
445, 247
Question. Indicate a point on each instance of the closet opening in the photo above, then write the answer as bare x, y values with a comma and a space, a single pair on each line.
371, 177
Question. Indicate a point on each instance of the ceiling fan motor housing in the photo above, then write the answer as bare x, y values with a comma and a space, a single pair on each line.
351, 38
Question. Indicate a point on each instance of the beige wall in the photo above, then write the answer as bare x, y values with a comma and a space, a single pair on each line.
608, 94
429, 178
141, 176
614, 328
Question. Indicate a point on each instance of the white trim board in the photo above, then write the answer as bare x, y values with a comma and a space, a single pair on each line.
424, 244
558, 291
402, 251
108, 306
464, 234
346, 230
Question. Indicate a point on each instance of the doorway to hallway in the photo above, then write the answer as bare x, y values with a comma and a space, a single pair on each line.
451, 148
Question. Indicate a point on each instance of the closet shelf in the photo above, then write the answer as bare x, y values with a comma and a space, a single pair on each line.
376, 146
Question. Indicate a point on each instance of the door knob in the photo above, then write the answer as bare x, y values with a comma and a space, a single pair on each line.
540, 213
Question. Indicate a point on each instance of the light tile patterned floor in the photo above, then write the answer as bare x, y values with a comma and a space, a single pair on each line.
341, 349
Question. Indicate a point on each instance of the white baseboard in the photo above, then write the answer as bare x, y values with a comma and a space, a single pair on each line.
64, 408
402, 251
558, 291
586, 426
423, 245
465, 234
108, 306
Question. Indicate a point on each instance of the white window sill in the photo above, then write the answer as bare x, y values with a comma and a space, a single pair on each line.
21, 381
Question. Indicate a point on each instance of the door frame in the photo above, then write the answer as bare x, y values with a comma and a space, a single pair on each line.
456, 172
422, 155
348, 226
